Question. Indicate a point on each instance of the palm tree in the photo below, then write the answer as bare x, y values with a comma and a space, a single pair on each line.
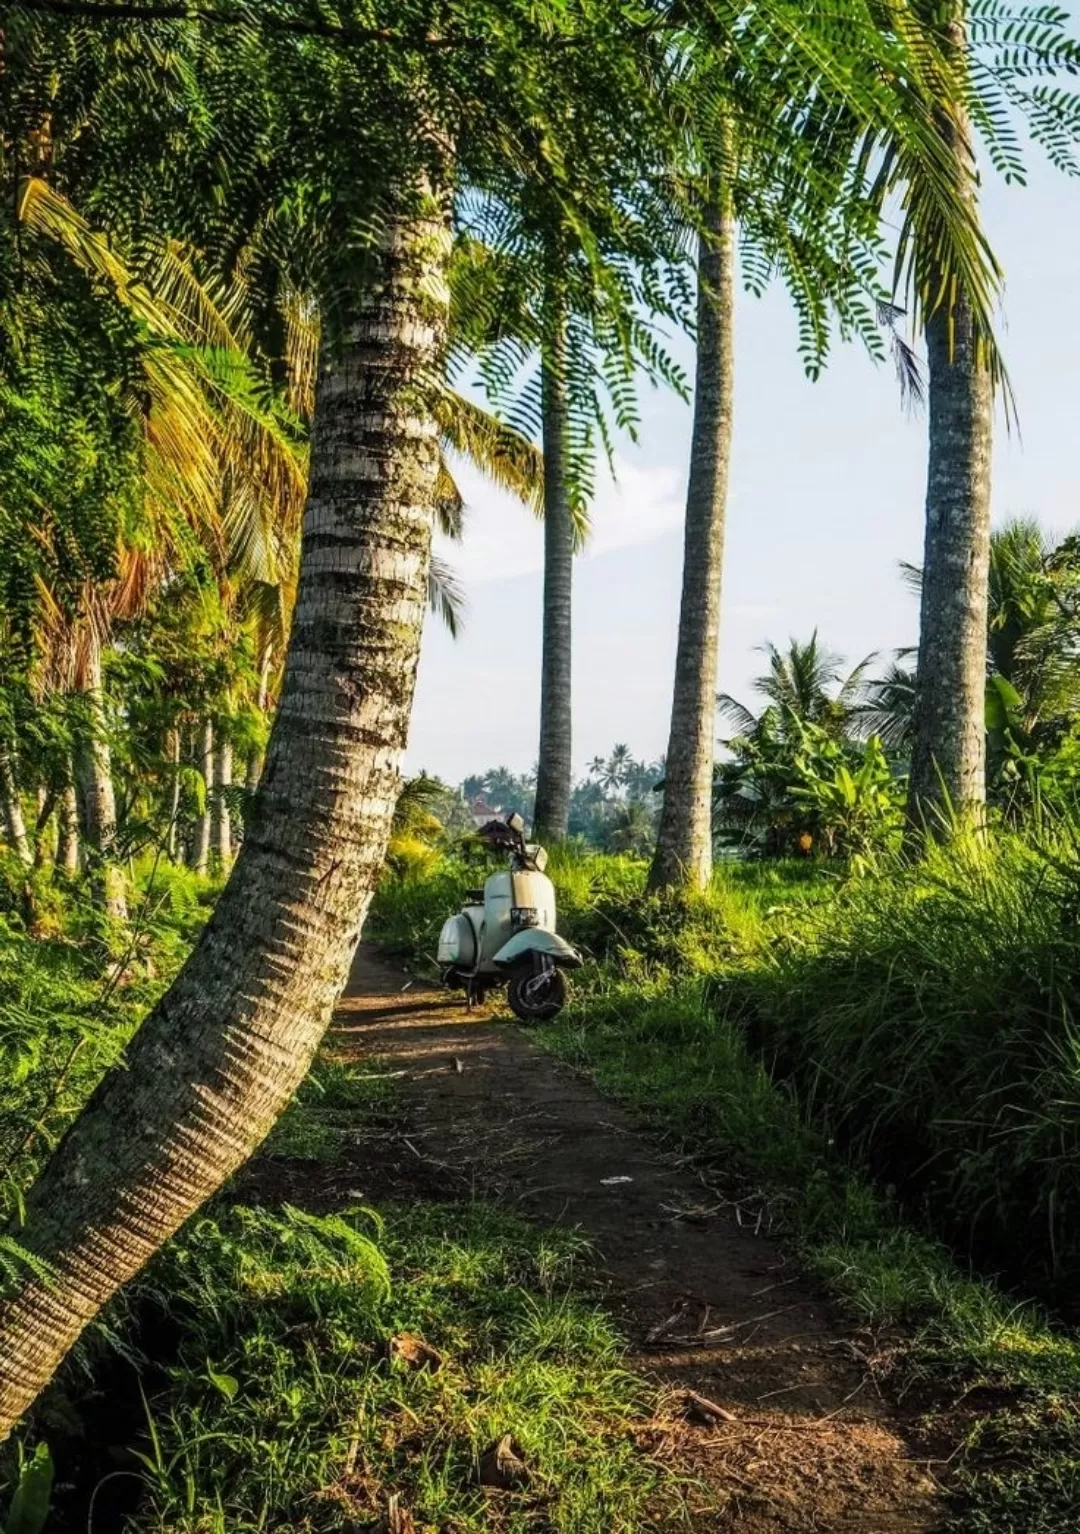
1032, 641
948, 742
784, 176
806, 683
888, 708
555, 766
287, 923
10, 803
683, 852
612, 772
1033, 638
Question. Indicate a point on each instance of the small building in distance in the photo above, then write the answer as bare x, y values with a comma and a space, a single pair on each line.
481, 812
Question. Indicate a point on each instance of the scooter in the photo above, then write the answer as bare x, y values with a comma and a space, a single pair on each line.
505, 933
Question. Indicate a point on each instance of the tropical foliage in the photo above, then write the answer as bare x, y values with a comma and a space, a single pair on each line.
267, 274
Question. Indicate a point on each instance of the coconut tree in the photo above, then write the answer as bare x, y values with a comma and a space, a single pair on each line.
219, 1056
683, 852
1032, 641
807, 682
998, 64
948, 756
778, 184
554, 773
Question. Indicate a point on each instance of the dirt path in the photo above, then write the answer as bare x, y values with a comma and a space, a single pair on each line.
707, 1304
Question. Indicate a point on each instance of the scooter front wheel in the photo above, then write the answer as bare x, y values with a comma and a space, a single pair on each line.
536, 996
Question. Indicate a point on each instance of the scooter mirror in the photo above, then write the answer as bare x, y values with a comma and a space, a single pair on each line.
515, 822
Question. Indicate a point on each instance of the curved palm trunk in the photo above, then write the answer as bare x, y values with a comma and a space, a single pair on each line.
683, 856
96, 798
220, 1055
14, 822
948, 759
200, 845
223, 762
555, 770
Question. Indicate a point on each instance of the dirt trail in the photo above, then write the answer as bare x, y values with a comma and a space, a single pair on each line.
708, 1304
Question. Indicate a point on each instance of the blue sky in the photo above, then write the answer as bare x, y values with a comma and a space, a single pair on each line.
826, 498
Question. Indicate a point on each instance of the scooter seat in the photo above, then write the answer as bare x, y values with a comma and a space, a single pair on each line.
474, 897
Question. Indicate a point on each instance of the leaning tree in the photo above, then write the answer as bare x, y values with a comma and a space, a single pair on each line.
360, 142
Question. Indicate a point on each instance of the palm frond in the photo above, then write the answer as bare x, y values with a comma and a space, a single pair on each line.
445, 596
736, 713
499, 451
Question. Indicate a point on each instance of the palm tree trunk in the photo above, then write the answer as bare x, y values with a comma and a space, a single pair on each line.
948, 759
172, 747
555, 770
67, 835
200, 846
683, 856
223, 762
46, 806
92, 762
222, 1052
11, 804
256, 759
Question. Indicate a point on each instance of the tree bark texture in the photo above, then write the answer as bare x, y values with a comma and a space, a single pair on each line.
683, 856
200, 844
223, 1051
67, 835
555, 770
173, 752
14, 822
256, 759
948, 760
223, 764
95, 796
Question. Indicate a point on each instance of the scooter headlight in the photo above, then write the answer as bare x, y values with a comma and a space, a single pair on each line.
525, 916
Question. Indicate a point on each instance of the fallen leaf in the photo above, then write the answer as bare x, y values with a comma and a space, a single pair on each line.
502, 1465
413, 1352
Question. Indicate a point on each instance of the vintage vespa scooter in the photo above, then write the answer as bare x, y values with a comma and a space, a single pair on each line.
505, 934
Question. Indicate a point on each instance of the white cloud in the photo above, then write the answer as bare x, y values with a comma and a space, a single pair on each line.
502, 538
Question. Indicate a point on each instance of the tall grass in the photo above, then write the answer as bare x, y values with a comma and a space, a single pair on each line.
930, 1019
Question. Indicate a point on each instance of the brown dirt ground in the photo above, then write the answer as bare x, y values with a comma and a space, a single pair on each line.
707, 1303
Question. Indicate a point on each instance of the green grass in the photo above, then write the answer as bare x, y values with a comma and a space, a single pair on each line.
690, 1074
282, 1410
260, 1339
333, 1102
68, 1005
929, 1018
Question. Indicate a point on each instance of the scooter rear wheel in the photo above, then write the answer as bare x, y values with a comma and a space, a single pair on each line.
536, 997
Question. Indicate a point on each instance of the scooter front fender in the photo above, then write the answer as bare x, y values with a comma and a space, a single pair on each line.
530, 941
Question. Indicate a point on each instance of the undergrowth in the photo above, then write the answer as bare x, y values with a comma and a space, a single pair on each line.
291, 1406
69, 1002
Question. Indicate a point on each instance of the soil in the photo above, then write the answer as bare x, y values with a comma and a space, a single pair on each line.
805, 1440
